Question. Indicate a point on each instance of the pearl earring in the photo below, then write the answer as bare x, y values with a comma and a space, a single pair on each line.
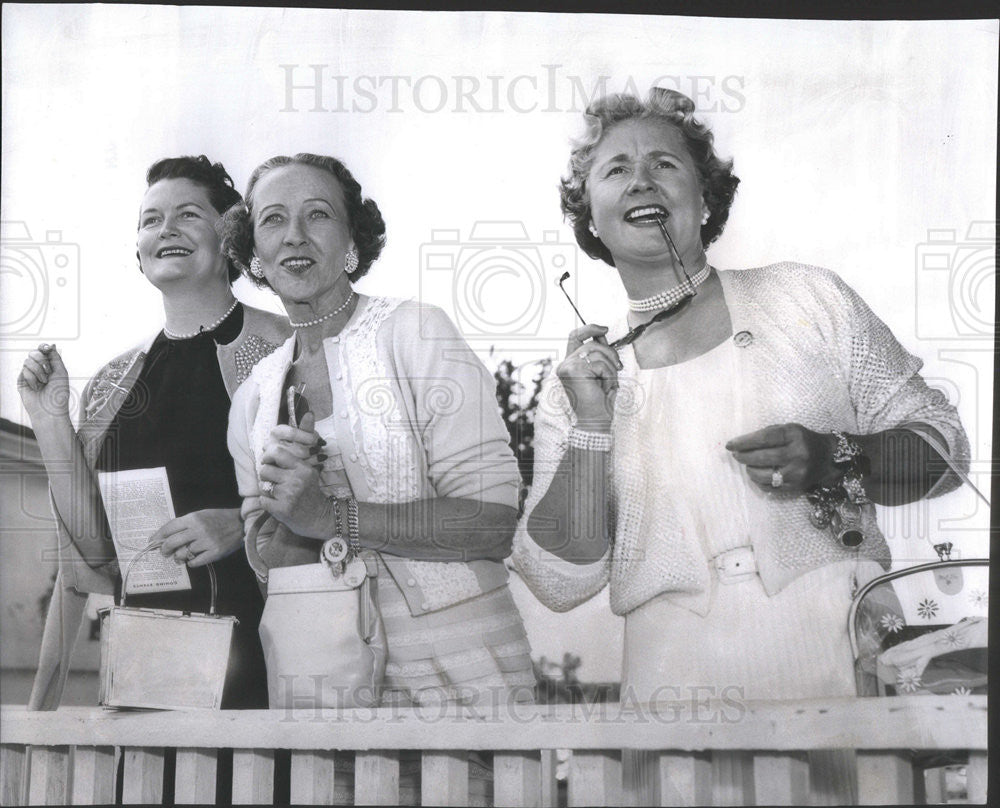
706, 214
593, 230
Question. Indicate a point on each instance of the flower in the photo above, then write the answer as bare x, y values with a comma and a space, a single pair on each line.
908, 680
979, 599
961, 690
954, 639
927, 608
891, 622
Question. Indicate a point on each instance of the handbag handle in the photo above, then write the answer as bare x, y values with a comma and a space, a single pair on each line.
213, 581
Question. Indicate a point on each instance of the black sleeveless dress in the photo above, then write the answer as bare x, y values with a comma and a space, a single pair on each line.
176, 416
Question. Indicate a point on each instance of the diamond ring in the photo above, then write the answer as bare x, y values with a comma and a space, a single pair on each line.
776, 479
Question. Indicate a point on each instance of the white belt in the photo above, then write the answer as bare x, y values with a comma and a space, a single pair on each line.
735, 565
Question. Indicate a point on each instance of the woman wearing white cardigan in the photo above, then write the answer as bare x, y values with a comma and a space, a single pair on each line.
717, 462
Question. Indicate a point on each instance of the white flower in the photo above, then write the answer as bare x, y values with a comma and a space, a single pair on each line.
979, 599
891, 622
961, 690
908, 680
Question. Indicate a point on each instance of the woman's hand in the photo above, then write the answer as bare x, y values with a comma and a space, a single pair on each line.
589, 373
44, 384
201, 537
790, 454
295, 498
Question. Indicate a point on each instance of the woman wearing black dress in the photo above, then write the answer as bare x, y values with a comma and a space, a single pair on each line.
164, 403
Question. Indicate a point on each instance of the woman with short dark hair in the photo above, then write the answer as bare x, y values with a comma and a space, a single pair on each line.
164, 403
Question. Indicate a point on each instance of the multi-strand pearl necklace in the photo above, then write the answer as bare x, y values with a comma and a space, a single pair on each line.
673, 295
333, 313
202, 329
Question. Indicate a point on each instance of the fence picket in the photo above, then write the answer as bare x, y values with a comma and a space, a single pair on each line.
595, 778
13, 774
314, 778
253, 776
196, 771
884, 778
732, 778
376, 778
93, 775
685, 778
517, 779
976, 774
143, 775
444, 778
781, 779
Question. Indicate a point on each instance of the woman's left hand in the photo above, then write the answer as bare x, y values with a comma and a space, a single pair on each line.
295, 498
201, 537
788, 454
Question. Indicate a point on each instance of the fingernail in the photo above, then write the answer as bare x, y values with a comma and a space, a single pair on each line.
314, 449
321, 457
321, 442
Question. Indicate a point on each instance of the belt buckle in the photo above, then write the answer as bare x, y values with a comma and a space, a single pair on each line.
735, 565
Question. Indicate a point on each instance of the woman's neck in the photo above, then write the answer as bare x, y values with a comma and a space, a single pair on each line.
648, 279
189, 310
324, 316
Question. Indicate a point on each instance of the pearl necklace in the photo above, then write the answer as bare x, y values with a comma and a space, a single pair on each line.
333, 313
671, 296
202, 329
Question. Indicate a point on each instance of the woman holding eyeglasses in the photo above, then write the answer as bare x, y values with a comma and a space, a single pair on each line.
716, 463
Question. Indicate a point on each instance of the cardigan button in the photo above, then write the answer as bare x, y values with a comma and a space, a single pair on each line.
425, 606
343, 413
743, 339
411, 582
339, 376
334, 339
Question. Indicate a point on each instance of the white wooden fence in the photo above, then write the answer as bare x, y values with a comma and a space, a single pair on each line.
719, 753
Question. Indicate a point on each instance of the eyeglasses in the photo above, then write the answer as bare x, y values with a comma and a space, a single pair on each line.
687, 285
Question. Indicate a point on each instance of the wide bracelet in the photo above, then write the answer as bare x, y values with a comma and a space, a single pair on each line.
353, 525
589, 441
835, 505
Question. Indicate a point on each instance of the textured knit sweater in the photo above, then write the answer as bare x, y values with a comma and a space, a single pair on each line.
417, 419
812, 353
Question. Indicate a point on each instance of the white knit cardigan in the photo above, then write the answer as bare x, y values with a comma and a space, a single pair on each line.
810, 352
420, 420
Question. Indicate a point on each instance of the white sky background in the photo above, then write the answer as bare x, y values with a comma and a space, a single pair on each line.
852, 140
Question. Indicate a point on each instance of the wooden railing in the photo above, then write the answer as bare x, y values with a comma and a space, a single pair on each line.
702, 753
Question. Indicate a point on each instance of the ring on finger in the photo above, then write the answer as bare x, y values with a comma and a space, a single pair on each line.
777, 480
267, 487
585, 356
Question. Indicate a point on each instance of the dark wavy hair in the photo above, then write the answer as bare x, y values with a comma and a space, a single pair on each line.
364, 219
213, 177
672, 108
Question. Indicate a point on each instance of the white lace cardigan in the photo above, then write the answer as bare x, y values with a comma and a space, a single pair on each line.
811, 352
421, 421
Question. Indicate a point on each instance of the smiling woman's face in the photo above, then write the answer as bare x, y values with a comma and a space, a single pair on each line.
177, 240
642, 168
301, 231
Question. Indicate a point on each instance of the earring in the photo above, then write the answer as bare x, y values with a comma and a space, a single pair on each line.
593, 230
706, 214
351, 261
255, 268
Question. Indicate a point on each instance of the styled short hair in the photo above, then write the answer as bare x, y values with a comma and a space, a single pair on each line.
364, 219
213, 177
672, 109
